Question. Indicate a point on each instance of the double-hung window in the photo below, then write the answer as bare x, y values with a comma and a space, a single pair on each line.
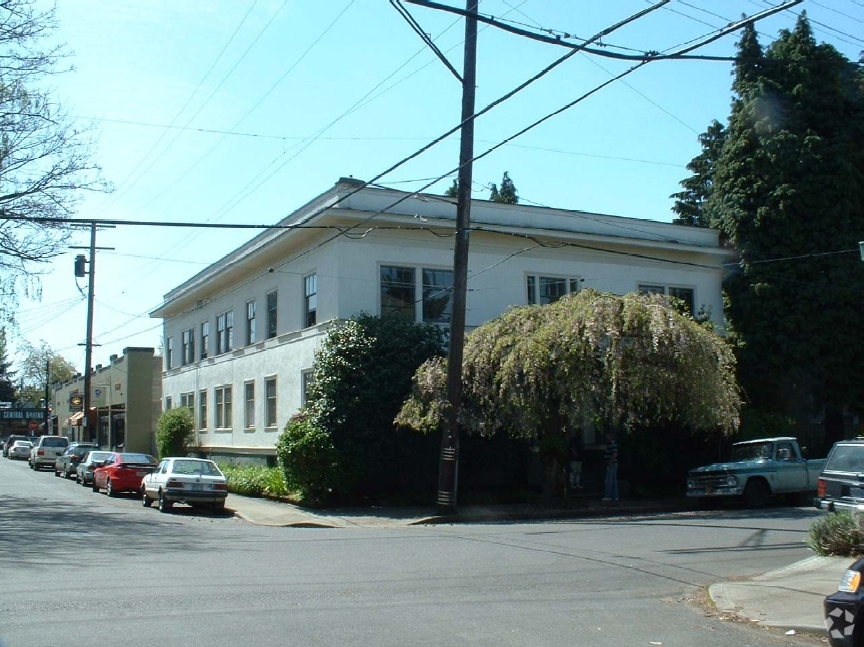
188, 400
272, 321
543, 290
398, 292
202, 410
310, 299
205, 338
188, 348
437, 296
169, 353
224, 332
222, 403
251, 332
686, 295
249, 405
270, 394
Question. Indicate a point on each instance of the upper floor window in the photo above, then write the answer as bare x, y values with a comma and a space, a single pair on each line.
310, 299
684, 294
205, 338
398, 292
543, 290
224, 332
271, 314
188, 349
169, 353
168, 402
251, 333
437, 296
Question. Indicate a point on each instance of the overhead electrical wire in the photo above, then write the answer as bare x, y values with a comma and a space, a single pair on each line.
719, 34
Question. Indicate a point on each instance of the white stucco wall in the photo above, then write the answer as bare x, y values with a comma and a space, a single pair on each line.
602, 252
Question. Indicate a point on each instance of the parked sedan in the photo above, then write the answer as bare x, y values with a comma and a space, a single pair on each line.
122, 472
20, 449
8, 442
84, 473
193, 481
67, 462
843, 609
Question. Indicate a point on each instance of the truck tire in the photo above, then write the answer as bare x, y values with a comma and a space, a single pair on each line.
756, 493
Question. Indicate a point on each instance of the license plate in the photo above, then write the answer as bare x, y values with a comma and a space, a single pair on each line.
197, 487
856, 492
143, 473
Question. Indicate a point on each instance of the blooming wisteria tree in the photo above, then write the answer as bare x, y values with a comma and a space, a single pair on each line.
619, 362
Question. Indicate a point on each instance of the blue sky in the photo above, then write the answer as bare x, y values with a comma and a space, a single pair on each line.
237, 111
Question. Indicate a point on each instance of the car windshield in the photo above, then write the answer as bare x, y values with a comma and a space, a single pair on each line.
205, 468
751, 451
846, 458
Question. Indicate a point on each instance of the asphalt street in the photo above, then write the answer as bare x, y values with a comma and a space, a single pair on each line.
79, 568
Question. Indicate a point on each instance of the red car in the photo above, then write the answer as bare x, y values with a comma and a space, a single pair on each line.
122, 472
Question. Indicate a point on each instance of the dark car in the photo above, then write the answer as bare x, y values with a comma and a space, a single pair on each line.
843, 609
11, 441
93, 459
841, 483
67, 463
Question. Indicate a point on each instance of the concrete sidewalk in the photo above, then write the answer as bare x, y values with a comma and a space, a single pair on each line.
788, 598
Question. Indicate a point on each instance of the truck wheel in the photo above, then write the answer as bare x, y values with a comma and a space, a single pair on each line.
756, 494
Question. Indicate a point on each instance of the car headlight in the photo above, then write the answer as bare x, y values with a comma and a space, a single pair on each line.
691, 484
731, 481
850, 582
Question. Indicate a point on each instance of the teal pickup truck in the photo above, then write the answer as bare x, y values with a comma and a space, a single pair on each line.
756, 470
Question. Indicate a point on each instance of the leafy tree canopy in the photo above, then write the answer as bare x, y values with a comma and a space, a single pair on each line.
46, 159
36, 359
622, 361
362, 374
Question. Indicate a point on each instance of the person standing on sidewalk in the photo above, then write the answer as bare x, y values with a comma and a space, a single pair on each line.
575, 448
610, 457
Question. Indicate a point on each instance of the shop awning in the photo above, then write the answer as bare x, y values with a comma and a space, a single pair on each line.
75, 418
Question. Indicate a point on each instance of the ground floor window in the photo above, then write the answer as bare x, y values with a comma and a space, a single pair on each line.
223, 407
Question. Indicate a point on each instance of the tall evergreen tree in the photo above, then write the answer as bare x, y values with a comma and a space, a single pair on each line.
788, 191
690, 203
507, 194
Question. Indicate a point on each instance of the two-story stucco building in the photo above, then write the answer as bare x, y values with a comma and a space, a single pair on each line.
240, 336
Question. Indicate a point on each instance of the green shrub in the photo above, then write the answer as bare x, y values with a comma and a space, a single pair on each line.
174, 432
250, 480
840, 534
309, 462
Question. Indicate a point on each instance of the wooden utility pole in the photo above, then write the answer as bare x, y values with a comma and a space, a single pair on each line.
448, 466
89, 433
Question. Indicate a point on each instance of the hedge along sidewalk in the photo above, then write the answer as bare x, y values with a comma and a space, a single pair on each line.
837, 534
256, 481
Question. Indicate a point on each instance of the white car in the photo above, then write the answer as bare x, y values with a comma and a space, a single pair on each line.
46, 450
193, 481
20, 449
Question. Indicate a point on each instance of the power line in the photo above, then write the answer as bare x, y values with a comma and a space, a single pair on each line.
186, 104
